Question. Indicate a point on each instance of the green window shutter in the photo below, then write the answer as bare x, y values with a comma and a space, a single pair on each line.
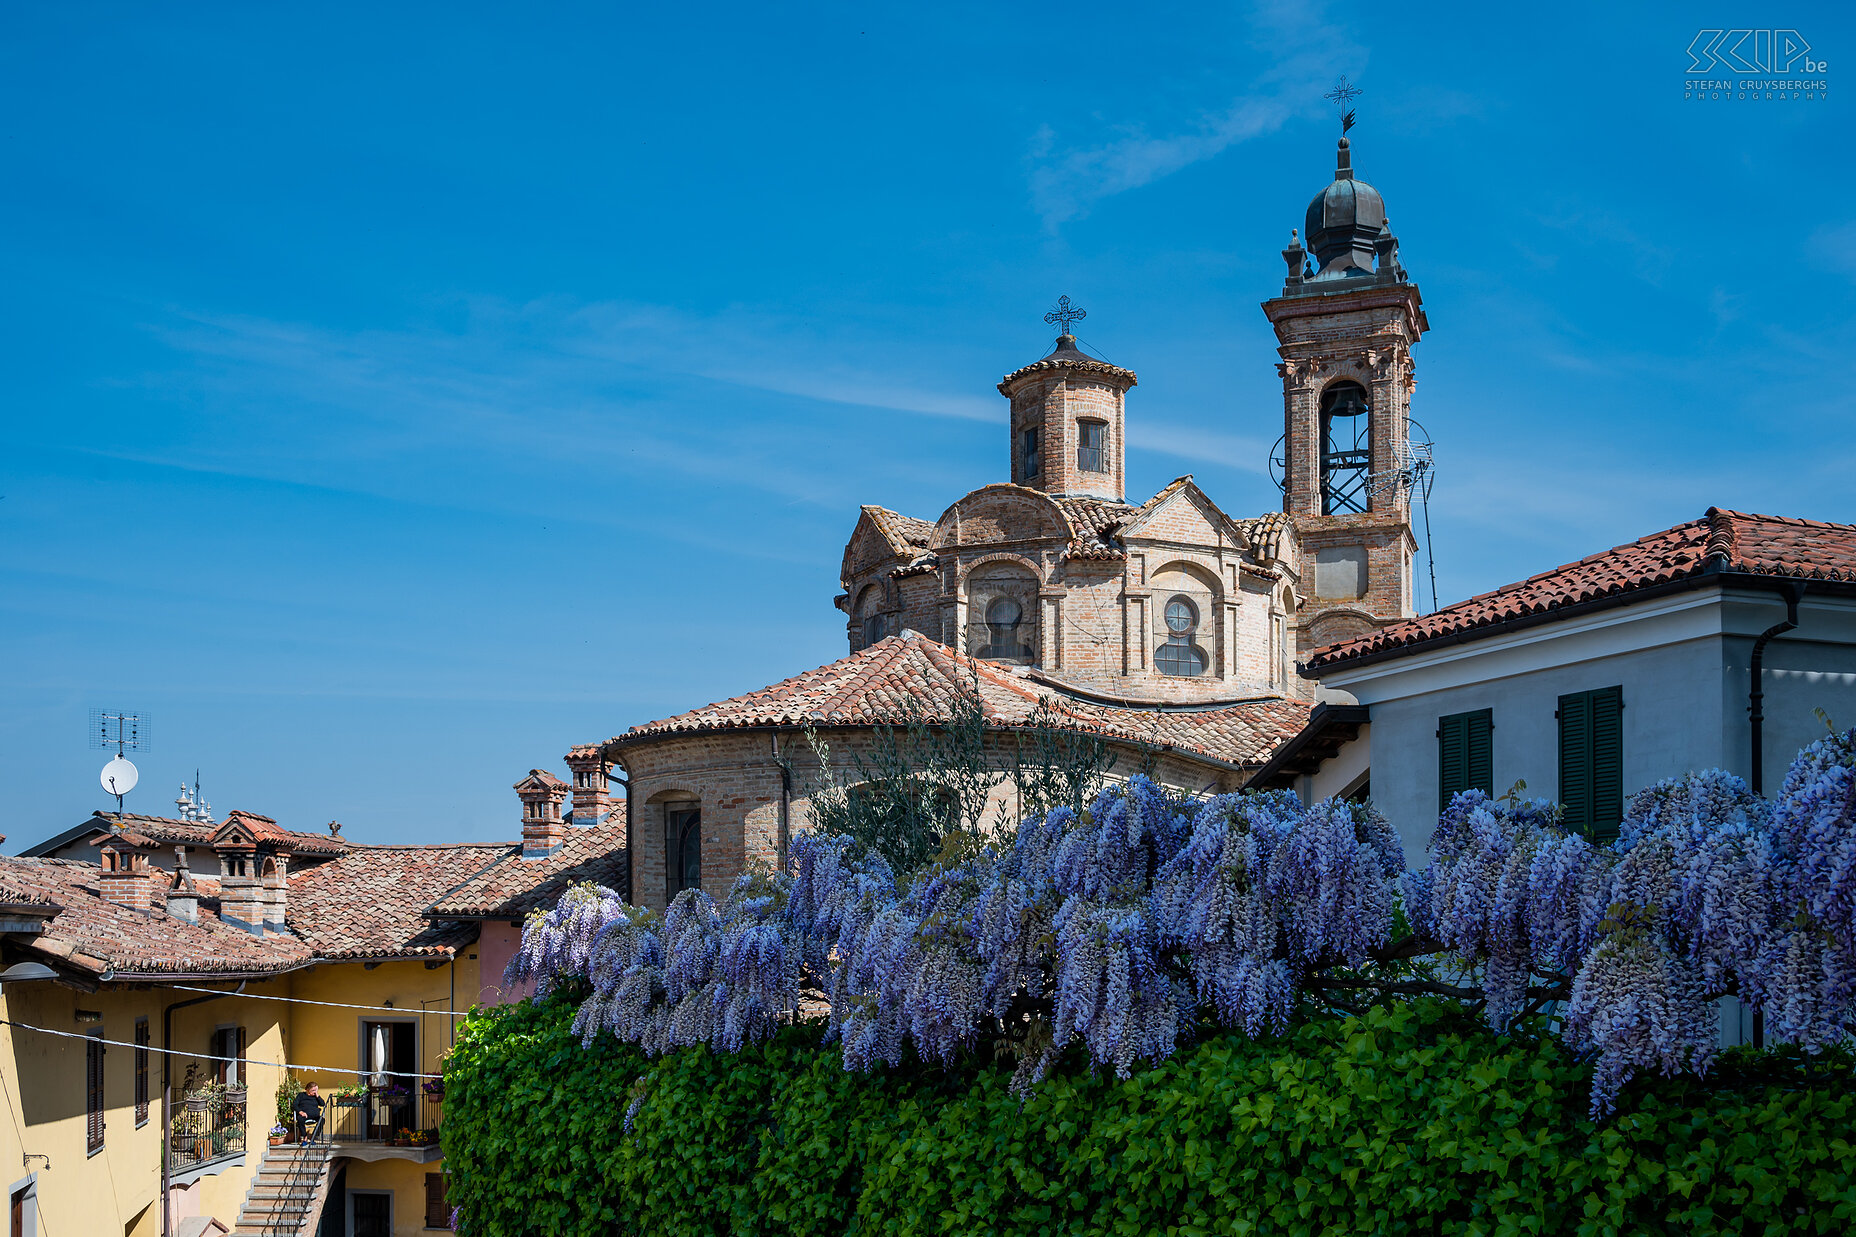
1576, 761
1592, 761
1479, 734
1463, 754
1607, 710
1452, 759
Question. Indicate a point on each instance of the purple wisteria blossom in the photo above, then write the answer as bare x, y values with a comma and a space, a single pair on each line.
1115, 928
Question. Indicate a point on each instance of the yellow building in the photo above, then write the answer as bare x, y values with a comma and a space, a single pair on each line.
140, 995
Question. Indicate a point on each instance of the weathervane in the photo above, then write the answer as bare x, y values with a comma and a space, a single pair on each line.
1062, 316
1343, 94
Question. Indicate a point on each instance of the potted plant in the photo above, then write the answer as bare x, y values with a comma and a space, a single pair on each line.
285, 1095
402, 1138
278, 1134
207, 1098
434, 1090
351, 1096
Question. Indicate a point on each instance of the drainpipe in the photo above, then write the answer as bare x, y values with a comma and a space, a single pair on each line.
167, 1096
1793, 592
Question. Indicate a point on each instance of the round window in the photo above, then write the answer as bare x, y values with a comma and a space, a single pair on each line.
1181, 617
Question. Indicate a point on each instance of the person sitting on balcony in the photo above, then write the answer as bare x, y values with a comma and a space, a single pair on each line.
308, 1114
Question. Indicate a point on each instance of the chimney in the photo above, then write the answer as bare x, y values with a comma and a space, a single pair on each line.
276, 878
126, 879
183, 895
241, 892
592, 799
543, 831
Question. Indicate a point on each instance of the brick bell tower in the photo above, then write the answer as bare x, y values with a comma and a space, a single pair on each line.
1345, 323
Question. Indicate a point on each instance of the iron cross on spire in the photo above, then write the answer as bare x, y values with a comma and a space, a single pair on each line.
1343, 95
1062, 316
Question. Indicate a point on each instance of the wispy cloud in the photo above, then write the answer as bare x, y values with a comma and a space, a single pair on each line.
1302, 53
555, 383
1188, 442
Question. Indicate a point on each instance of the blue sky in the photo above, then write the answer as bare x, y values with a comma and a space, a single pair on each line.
396, 395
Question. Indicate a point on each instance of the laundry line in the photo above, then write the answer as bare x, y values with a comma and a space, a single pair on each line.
207, 1056
299, 1000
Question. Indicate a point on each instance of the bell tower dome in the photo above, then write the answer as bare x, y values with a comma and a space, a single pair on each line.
1345, 325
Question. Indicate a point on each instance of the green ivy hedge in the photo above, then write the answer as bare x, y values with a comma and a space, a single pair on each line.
1412, 1120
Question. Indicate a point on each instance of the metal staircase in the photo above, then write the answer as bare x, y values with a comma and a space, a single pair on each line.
288, 1193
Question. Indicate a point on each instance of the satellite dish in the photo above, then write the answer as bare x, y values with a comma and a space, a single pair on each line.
119, 777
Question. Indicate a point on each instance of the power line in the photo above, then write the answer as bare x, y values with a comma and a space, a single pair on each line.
298, 1000
206, 1056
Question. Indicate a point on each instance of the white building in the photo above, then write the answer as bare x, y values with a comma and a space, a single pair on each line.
1596, 679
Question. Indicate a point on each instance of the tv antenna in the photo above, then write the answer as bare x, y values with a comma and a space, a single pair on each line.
1414, 468
126, 732
1413, 471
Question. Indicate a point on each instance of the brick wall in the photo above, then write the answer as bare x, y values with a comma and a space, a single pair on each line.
737, 780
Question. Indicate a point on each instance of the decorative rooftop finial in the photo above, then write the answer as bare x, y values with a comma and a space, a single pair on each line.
1062, 316
1343, 94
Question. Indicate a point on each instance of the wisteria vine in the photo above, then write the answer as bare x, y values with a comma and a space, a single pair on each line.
1148, 916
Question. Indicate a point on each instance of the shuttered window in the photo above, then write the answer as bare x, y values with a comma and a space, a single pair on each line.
1592, 761
93, 1093
437, 1210
1464, 759
141, 1071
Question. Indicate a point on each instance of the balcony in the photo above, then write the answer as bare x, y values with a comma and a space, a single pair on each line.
206, 1134
396, 1120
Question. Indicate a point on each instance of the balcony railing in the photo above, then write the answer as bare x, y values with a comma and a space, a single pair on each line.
204, 1131
400, 1114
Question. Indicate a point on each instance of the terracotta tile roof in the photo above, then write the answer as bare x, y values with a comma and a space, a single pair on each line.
905, 534
1265, 534
371, 902
1066, 356
512, 886
165, 831
93, 934
1094, 521
1720, 541
877, 685
12, 895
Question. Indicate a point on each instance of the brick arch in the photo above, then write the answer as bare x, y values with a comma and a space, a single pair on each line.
1199, 571
1000, 556
1002, 512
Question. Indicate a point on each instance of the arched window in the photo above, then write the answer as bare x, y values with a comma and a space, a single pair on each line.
682, 847
1004, 616
872, 621
1002, 613
1346, 448
1179, 655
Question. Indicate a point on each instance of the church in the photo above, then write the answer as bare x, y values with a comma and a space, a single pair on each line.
1164, 624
